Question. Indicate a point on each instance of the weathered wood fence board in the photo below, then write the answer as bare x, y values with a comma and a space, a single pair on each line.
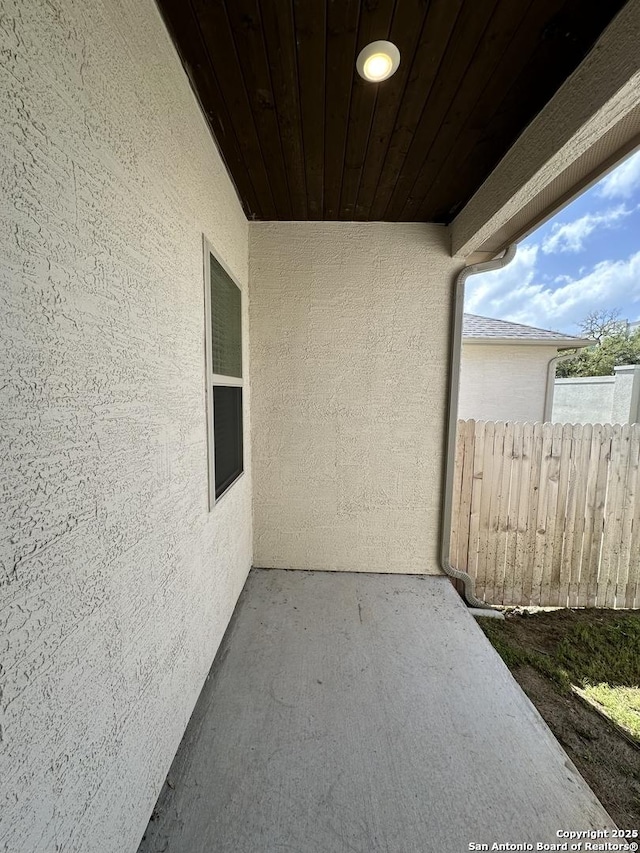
548, 514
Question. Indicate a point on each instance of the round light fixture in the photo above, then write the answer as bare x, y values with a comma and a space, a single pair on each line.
378, 61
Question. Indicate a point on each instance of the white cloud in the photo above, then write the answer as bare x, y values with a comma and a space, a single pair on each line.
570, 236
623, 181
515, 293
488, 294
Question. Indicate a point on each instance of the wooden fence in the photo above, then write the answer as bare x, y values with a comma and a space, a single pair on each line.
548, 514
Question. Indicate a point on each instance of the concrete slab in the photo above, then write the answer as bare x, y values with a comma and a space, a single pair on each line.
355, 712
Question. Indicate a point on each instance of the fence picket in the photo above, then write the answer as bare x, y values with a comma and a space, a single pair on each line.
612, 533
628, 503
502, 514
466, 436
492, 529
540, 528
522, 590
547, 591
484, 518
558, 586
599, 515
632, 596
456, 515
548, 514
476, 498
582, 435
589, 512
509, 593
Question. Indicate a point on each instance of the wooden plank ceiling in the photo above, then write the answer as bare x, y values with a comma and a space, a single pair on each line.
304, 137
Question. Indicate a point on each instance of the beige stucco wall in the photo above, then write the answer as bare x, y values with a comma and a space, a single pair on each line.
116, 584
349, 348
503, 382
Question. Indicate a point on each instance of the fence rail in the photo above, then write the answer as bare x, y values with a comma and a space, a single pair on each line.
548, 514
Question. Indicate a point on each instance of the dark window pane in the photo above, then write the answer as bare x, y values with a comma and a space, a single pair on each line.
227, 435
226, 319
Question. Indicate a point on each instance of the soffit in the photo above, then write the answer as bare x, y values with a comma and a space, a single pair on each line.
303, 137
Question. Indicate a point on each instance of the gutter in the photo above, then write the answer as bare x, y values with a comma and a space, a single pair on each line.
551, 374
551, 380
452, 424
559, 343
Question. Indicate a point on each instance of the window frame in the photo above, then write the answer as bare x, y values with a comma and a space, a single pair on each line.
212, 379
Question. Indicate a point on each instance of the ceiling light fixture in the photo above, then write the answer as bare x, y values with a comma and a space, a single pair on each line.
378, 61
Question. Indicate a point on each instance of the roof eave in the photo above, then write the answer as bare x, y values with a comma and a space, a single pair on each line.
557, 343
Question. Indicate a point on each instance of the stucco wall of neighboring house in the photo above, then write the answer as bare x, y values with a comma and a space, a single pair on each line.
503, 382
583, 400
116, 583
349, 348
599, 399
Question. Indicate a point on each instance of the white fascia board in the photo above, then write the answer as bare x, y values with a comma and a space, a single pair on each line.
558, 343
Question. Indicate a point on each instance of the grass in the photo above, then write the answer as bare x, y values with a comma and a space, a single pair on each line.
600, 657
621, 704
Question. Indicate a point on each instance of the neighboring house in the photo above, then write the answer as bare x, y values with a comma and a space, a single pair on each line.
505, 369
150, 457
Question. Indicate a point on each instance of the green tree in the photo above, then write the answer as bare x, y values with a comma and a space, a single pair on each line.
615, 346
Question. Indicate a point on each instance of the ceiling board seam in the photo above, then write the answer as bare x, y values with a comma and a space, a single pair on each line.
371, 122
366, 148
298, 129
324, 105
302, 145
246, 93
424, 106
226, 107
292, 9
444, 117
397, 109
273, 98
362, 39
312, 76
418, 207
516, 86
348, 111
185, 63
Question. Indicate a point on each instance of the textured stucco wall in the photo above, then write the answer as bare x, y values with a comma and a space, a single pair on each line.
116, 584
597, 399
349, 348
583, 400
625, 406
503, 382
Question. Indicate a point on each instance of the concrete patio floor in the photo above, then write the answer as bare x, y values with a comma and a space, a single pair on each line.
359, 712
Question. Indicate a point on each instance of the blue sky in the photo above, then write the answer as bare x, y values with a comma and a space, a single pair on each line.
584, 259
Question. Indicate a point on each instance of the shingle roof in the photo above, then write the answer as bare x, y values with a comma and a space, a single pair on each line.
490, 328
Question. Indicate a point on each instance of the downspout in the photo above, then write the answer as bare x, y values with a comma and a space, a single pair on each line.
452, 424
551, 379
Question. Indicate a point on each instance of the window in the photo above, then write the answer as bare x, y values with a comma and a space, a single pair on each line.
223, 310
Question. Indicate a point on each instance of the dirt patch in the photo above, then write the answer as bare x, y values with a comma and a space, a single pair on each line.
609, 762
